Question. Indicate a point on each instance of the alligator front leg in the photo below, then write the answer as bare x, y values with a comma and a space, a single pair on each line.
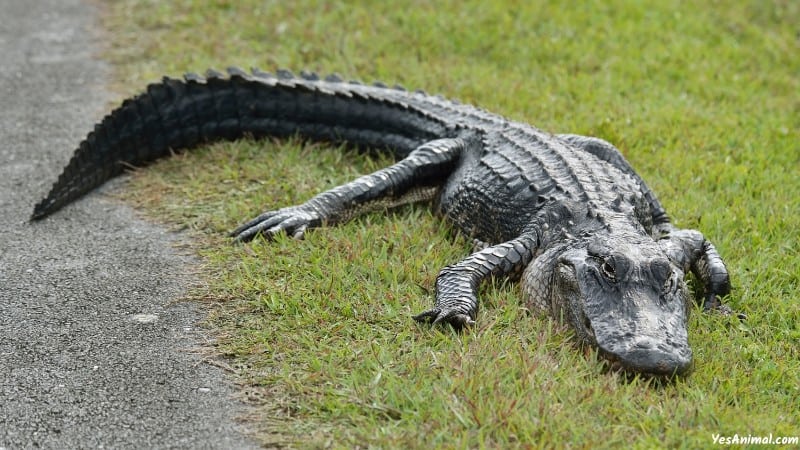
416, 177
457, 285
690, 250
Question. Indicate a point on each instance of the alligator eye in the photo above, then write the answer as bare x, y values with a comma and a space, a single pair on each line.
670, 284
667, 286
608, 270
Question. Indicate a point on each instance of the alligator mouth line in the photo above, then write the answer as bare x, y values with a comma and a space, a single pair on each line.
587, 325
613, 364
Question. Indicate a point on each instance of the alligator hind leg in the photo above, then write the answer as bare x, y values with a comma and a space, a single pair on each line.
416, 177
457, 285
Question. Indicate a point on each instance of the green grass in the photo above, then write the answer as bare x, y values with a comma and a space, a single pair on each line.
701, 97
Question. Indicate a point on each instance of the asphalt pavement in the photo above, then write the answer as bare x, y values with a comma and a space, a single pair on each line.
94, 350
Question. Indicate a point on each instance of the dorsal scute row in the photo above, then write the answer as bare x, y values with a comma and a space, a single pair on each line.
457, 114
572, 173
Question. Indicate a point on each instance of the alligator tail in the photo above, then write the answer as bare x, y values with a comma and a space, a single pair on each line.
174, 115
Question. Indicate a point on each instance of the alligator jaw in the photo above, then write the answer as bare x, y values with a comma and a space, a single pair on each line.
670, 371
642, 338
645, 359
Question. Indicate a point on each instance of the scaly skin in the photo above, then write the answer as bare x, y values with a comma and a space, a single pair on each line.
566, 213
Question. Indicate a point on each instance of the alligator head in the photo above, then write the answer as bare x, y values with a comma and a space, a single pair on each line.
622, 296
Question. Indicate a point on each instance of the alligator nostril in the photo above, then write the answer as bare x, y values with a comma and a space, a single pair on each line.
645, 343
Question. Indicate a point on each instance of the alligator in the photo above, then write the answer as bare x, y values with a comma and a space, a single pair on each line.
564, 214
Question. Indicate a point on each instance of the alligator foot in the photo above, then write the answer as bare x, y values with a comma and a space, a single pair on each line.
293, 220
456, 318
713, 304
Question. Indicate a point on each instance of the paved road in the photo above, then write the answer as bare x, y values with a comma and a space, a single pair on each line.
92, 351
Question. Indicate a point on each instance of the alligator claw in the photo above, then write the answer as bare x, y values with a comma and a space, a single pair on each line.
294, 221
713, 304
456, 319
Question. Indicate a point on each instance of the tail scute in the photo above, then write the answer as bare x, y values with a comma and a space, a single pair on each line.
143, 128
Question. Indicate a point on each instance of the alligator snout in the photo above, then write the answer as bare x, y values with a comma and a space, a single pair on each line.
647, 355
